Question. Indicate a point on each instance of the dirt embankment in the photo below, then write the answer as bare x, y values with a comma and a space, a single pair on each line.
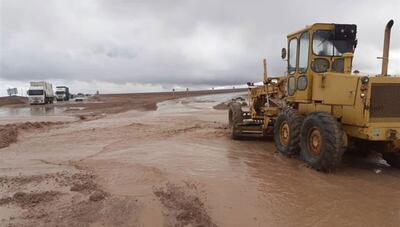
13, 100
9, 132
117, 103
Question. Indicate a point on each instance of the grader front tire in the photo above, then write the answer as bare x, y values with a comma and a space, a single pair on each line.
322, 143
287, 131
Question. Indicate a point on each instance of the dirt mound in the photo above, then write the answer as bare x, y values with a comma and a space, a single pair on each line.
225, 105
78, 182
83, 183
184, 205
9, 132
35, 125
177, 131
89, 116
111, 212
98, 196
8, 181
13, 100
8, 135
221, 106
30, 199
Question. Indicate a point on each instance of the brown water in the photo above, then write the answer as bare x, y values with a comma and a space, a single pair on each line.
33, 113
180, 158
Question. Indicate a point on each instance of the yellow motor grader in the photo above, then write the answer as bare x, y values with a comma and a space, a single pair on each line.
320, 107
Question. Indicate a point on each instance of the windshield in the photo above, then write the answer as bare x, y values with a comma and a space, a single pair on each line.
324, 44
35, 92
60, 92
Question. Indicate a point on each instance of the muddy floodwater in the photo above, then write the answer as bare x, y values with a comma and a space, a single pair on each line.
178, 166
33, 113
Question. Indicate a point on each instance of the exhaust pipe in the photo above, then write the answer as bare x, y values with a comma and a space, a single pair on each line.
265, 71
386, 43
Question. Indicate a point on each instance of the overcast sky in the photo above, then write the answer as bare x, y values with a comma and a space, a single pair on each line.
148, 45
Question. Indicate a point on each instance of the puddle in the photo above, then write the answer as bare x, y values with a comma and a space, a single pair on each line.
31, 111
192, 104
34, 113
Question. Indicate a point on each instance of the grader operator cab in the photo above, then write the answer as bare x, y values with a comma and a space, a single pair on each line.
320, 107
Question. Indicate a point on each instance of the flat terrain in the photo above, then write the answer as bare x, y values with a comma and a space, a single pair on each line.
174, 164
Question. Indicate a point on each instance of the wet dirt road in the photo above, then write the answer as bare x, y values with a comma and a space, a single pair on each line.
177, 166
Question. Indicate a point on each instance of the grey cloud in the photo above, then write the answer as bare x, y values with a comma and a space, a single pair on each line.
173, 42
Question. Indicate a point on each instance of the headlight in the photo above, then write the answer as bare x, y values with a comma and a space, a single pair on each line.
364, 79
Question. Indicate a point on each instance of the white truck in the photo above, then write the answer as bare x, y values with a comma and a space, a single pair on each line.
62, 93
40, 93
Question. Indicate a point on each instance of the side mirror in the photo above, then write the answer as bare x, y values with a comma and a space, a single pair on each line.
283, 53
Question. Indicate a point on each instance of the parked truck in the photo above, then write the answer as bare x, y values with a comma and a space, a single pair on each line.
62, 93
40, 93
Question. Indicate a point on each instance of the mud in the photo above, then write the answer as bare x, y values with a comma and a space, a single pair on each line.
30, 199
183, 205
225, 105
8, 135
177, 166
9, 132
75, 194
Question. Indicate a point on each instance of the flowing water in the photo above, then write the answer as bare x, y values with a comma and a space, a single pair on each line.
239, 182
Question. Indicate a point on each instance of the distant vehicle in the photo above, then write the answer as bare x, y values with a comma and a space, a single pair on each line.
40, 93
80, 97
62, 93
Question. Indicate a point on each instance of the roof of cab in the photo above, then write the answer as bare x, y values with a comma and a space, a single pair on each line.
307, 28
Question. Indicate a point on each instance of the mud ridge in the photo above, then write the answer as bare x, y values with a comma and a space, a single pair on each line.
29, 199
184, 205
9, 132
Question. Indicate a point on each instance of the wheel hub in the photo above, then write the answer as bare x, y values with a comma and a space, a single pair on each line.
314, 141
284, 133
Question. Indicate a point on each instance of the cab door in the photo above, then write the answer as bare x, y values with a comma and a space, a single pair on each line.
298, 65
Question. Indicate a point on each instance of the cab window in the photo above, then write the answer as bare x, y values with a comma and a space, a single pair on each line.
325, 44
292, 56
303, 54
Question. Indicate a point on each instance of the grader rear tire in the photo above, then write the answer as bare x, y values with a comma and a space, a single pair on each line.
235, 118
287, 131
322, 144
